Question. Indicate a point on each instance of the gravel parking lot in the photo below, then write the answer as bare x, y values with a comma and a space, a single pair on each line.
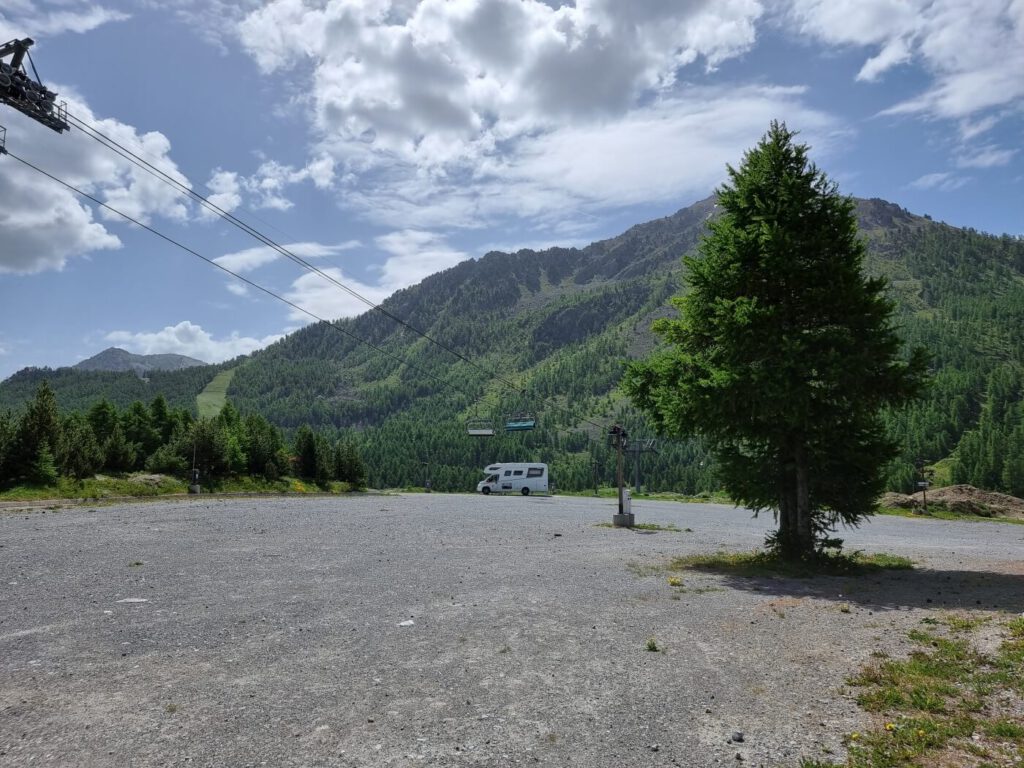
409, 630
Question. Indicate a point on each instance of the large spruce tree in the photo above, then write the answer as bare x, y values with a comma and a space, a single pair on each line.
783, 352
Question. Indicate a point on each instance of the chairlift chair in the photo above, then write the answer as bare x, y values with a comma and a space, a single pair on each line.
520, 423
480, 428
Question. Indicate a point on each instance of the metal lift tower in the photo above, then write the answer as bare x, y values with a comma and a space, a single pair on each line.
24, 92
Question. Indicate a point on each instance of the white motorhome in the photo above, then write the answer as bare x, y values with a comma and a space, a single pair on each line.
524, 478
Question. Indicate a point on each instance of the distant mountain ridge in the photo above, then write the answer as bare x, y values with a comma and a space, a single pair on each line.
116, 359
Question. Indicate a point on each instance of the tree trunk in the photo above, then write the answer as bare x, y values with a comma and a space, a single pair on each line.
787, 516
804, 528
786, 540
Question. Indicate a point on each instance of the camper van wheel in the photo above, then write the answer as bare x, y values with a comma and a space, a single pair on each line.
526, 491
485, 491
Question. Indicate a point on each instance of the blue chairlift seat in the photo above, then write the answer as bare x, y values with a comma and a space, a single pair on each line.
520, 423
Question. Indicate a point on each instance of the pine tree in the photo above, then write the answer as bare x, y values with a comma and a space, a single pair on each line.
783, 353
349, 466
138, 428
38, 428
78, 453
160, 417
44, 467
305, 452
103, 417
7, 434
120, 455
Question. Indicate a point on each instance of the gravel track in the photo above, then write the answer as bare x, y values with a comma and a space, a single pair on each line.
247, 632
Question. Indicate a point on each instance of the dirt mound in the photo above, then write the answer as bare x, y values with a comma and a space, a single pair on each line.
968, 500
153, 481
898, 501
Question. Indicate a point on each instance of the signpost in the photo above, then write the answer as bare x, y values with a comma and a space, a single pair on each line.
618, 439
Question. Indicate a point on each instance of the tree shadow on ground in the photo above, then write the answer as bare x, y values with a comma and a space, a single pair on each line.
896, 589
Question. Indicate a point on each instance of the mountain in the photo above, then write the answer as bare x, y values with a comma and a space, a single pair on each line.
115, 359
546, 333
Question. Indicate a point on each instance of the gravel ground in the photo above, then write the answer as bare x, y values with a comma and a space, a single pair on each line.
276, 632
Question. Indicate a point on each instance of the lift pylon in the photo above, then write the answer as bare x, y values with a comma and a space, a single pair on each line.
24, 92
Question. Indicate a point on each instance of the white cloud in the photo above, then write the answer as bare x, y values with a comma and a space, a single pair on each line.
42, 224
413, 255
973, 50
943, 182
326, 301
49, 19
989, 156
253, 258
440, 115
189, 339
224, 193
439, 81
266, 187
970, 129
893, 53
674, 149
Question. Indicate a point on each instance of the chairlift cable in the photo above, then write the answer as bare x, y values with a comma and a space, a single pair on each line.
127, 154
167, 238
148, 167
221, 267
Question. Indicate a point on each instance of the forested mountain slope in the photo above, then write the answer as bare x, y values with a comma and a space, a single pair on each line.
77, 390
556, 326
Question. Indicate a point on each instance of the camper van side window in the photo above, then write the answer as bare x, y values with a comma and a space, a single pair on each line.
535, 472
508, 472
518, 473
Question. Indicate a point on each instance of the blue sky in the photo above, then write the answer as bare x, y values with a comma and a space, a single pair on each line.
387, 140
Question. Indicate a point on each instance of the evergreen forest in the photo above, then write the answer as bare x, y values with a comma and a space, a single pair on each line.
548, 334
41, 446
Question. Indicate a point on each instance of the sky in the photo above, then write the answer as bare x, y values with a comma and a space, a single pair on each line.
385, 140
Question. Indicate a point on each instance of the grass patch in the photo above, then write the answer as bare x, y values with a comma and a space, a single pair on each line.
214, 395
959, 623
760, 563
943, 705
717, 497
142, 485
671, 527
99, 487
652, 645
638, 568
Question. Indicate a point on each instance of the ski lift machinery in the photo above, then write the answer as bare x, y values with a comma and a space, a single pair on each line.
26, 94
